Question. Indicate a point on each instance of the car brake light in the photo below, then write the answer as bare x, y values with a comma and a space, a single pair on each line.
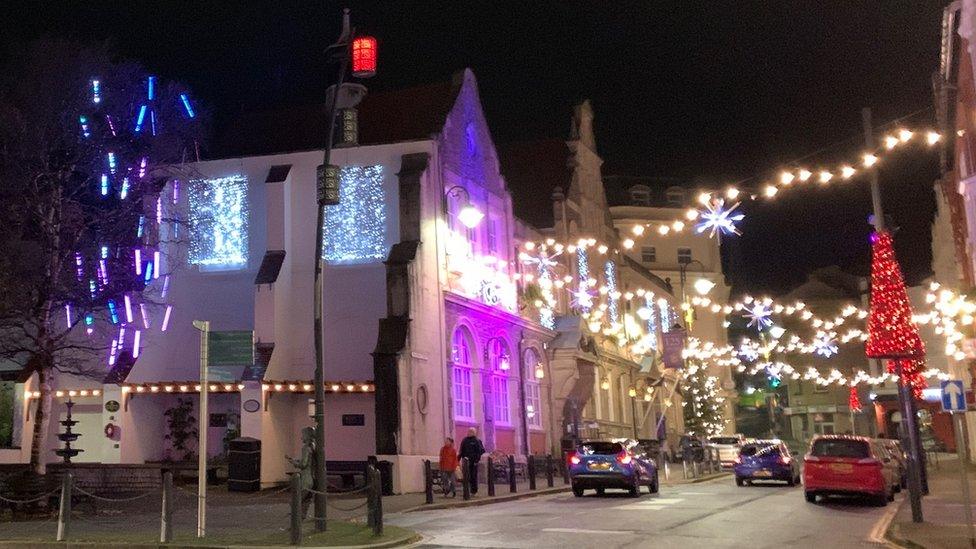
574, 459
624, 458
785, 460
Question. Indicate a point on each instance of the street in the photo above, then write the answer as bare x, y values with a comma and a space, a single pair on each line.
709, 514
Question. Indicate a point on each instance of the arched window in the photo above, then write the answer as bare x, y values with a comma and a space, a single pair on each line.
640, 195
675, 196
533, 394
461, 374
500, 363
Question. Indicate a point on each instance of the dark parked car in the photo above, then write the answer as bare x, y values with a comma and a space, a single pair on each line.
766, 460
654, 450
598, 465
690, 448
895, 451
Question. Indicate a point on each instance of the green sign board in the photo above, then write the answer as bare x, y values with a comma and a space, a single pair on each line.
229, 353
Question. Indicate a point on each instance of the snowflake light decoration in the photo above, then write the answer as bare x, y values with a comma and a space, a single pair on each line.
758, 316
825, 345
582, 298
545, 263
719, 220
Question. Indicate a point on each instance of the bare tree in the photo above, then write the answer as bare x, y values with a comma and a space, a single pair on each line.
85, 149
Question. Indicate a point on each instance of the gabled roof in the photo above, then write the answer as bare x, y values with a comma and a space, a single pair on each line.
409, 114
532, 170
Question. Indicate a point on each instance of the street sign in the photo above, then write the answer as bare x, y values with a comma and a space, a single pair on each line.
953, 396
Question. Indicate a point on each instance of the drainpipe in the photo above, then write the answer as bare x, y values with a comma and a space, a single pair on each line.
521, 385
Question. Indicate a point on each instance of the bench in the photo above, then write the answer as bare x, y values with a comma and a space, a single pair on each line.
347, 471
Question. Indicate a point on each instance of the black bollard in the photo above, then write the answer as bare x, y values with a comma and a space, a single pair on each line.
428, 482
511, 474
466, 482
296, 509
549, 481
530, 470
565, 467
490, 477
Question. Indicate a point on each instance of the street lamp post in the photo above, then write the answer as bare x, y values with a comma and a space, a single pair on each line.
327, 191
909, 420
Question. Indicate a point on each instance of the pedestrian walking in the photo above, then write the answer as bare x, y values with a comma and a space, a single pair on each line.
473, 449
448, 465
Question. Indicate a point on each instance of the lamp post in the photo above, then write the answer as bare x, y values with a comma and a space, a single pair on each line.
702, 287
468, 215
204, 327
910, 422
327, 194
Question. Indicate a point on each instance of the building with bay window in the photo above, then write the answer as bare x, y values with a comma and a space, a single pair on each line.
424, 333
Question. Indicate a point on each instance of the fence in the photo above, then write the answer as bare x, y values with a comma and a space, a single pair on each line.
707, 465
102, 516
506, 470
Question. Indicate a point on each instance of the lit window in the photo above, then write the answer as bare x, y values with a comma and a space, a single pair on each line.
675, 196
648, 254
500, 364
461, 375
218, 222
640, 195
684, 256
492, 227
355, 229
500, 394
533, 394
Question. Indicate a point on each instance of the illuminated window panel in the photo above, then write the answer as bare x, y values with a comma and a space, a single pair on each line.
218, 222
355, 229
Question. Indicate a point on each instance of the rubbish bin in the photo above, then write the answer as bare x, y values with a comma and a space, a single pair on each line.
244, 465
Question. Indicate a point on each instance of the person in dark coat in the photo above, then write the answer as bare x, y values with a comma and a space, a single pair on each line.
472, 449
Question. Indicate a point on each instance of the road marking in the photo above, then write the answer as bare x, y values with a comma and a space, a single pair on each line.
877, 534
583, 531
651, 504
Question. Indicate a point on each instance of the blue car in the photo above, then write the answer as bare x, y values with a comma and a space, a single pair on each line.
598, 465
766, 460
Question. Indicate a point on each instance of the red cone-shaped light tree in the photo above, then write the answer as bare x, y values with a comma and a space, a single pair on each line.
854, 401
892, 334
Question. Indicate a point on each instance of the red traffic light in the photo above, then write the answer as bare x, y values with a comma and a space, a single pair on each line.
364, 57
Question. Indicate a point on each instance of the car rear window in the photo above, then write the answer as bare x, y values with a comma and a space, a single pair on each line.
602, 448
723, 440
834, 447
751, 450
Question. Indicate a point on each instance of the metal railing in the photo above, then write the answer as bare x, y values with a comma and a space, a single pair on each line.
509, 470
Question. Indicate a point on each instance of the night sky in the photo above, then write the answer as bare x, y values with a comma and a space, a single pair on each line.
714, 91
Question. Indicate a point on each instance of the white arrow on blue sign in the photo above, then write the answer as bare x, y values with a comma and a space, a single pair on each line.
953, 396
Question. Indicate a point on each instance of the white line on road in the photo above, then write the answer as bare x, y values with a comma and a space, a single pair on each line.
582, 531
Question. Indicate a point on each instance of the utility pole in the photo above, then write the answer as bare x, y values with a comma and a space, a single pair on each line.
909, 421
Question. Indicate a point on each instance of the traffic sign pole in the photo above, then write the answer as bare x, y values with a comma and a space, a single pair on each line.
959, 422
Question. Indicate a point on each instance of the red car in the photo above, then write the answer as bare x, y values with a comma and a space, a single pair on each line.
849, 465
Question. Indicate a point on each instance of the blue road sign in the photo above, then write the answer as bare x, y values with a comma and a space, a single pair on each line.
953, 396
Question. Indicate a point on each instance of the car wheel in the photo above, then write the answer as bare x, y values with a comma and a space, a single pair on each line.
791, 481
810, 497
577, 491
904, 481
891, 495
635, 490
599, 491
880, 501
739, 481
653, 487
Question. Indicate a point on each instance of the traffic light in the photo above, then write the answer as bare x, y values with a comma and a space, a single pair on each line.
774, 381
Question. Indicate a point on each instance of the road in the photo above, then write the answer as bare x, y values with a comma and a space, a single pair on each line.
710, 515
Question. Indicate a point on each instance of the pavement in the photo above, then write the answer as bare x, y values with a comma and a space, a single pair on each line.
712, 513
943, 510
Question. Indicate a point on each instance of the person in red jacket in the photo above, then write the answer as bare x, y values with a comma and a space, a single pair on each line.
447, 465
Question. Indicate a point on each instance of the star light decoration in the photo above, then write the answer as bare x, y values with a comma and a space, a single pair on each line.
758, 316
544, 261
825, 345
582, 297
717, 219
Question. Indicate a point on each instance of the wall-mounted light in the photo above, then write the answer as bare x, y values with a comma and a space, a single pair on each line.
468, 215
605, 384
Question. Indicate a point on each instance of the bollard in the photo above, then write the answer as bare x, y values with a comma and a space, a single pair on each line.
64, 511
530, 470
490, 477
565, 467
549, 481
465, 482
296, 509
166, 515
428, 483
374, 494
511, 474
